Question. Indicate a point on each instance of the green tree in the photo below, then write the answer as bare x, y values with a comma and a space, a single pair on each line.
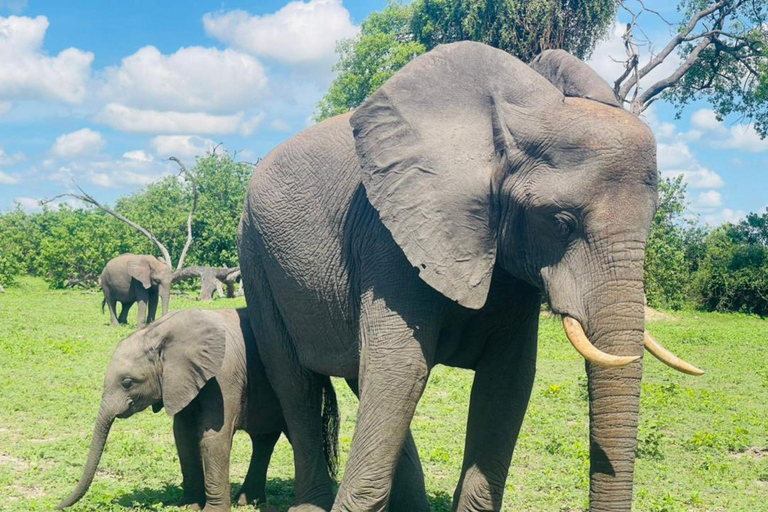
673, 245
383, 46
733, 275
391, 38
222, 184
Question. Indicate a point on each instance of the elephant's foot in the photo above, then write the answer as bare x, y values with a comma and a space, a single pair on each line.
243, 498
191, 503
216, 508
306, 507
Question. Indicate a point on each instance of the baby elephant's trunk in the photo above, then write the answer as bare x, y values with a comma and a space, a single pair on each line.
100, 433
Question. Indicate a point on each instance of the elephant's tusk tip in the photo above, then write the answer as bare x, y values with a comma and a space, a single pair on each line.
575, 333
665, 356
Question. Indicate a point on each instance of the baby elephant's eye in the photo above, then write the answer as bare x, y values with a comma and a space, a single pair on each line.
127, 383
566, 224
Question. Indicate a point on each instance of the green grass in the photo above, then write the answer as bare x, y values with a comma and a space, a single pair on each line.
703, 441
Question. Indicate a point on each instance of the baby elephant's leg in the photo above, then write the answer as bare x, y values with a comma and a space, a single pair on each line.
215, 448
185, 432
253, 490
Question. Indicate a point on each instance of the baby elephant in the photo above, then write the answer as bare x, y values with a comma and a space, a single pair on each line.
204, 368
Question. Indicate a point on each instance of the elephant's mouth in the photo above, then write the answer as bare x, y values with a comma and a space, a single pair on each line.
575, 333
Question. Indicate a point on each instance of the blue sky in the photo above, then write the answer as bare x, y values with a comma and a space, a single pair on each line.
103, 92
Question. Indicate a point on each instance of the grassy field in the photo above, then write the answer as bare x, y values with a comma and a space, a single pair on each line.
703, 441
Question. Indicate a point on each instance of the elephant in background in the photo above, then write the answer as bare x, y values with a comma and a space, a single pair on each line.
131, 278
424, 229
204, 368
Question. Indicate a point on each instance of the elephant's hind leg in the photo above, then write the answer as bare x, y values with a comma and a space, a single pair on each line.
126, 307
112, 306
253, 490
299, 390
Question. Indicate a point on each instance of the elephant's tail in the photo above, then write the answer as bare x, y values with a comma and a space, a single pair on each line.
103, 303
330, 427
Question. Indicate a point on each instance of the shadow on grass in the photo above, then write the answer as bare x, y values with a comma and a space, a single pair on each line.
279, 494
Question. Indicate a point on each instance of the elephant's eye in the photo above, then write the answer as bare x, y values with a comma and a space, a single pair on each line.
127, 383
566, 224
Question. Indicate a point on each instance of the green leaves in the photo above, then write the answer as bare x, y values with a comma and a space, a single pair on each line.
391, 38
69, 247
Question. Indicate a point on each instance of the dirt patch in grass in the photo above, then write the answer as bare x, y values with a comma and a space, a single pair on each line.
16, 463
653, 315
754, 453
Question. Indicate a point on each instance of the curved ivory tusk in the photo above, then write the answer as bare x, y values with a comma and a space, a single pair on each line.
668, 358
588, 351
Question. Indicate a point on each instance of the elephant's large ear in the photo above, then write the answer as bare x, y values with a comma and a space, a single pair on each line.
430, 142
140, 270
191, 346
573, 77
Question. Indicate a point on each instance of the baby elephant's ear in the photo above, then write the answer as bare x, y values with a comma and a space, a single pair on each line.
573, 77
191, 347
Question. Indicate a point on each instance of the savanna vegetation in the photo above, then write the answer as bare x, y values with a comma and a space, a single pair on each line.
703, 441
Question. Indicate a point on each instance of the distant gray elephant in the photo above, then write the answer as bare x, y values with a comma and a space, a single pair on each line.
203, 366
133, 278
423, 229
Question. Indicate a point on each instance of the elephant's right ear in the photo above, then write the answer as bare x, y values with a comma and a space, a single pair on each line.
140, 271
431, 141
191, 345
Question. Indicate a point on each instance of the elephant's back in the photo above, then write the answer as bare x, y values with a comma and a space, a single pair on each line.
294, 221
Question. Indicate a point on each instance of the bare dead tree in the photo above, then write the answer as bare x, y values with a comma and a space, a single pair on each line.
704, 31
89, 199
211, 280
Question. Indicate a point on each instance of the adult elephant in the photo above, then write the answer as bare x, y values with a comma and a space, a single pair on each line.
131, 278
422, 229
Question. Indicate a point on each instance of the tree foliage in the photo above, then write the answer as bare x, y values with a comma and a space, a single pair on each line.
70, 246
667, 270
391, 38
733, 275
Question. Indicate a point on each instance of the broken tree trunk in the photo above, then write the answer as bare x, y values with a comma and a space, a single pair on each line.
211, 279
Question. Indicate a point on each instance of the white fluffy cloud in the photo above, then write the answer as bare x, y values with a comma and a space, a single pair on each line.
138, 155
184, 147
129, 119
708, 200
30, 73
701, 177
77, 144
299, 33
674, 155
6, 159
193, 79
743, 138
7, 179
724, 215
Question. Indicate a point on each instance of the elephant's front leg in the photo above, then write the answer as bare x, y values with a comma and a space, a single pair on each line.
500, 394
395, 360
185, 432
215, 448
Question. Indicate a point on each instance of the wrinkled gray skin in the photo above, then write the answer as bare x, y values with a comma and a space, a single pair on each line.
204, 367
422, 229
133, 278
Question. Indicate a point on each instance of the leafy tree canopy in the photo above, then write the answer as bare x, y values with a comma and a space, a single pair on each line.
391, 38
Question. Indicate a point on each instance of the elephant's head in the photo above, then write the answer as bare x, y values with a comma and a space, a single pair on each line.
165, 364
152, 272
474, 160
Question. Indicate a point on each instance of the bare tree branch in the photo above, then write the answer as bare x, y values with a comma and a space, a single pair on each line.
86, 198
188, 176
673, 44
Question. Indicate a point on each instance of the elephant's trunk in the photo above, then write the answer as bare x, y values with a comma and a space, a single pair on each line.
100, 433
615, 325
165, 296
